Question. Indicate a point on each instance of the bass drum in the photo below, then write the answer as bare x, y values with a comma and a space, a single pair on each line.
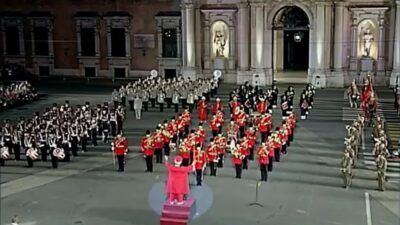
32, 153
59, 153
5, 154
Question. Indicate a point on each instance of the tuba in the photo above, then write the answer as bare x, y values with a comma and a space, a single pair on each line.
59, 153
32, 153
5, 154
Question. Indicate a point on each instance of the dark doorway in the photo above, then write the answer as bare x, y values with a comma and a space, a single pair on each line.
41, 38
90, 71
119, 72
44, 71
118, 42
88, 46
169, 43
296, 49
169, 73
12, 41
291, 39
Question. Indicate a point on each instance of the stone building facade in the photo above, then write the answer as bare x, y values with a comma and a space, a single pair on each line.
246, 40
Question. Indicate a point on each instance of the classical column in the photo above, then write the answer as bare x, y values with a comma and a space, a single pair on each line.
339, 44
109, 38
243, 37
160, 45
97, 39
232, 52
381, 44
184, 31
33, 38
21, 39
78, 37
319, 74
179, 41
207, 46
395, 76
257, 46
190, 38
354, 37
50, 37
127, 41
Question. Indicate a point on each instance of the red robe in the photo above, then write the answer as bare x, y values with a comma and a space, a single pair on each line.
261, 107
178, 179
202, 110
217, 106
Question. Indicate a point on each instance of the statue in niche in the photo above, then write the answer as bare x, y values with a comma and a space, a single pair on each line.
368, 38
219, 41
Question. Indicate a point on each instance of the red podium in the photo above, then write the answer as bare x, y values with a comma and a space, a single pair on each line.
177, 214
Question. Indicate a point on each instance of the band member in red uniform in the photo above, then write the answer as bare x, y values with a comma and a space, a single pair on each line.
146, 147
120, 148
212, 157
262, 106
200, 164
232, 133
237, 158
263, 160
191, 143
217, 106
251, 136
202, 110
215, 125
200, 135
271, 154
220, 119
244, 150
158, 144
187, 120
241, 122
283, 136
167, 136
180, 123
184, 152
371, 109
264, 126
220, 141
276, 143
234, 105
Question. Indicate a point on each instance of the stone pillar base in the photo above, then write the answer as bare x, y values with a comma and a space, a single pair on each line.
243, 76
189, 73
318, 79
395, 78
337, 79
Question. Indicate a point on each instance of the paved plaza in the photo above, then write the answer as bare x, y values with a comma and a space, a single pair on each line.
305, 188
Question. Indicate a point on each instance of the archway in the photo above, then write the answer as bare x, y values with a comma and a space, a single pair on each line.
291, 44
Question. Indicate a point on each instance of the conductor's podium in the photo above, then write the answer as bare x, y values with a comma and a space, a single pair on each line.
178, 214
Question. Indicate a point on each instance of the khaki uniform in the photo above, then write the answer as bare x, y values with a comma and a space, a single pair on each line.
381, 164
346, 168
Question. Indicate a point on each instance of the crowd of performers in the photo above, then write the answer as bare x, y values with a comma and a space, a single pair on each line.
16, 94
250, 117
354, 132
156, 91
59, 132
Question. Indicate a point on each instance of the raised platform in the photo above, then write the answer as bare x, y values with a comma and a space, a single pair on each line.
178, 214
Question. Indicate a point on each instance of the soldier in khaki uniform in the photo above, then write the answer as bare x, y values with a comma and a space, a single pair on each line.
381, 165
346, 168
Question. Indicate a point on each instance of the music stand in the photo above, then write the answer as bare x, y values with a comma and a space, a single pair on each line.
256, 203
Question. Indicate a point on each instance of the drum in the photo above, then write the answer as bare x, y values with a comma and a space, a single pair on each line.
59, 153
5, 154
32, 153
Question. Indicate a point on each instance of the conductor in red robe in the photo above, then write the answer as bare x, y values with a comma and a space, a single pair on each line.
202, 110
178, 180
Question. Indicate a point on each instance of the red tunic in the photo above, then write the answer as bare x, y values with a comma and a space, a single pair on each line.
158, 140
200, 136
146, 146
261, 107
211, 151
241, 119
251, 137
215, 124
202, 110
200, 159
120, 146
237, 159
178, 179
262, 157
217, 106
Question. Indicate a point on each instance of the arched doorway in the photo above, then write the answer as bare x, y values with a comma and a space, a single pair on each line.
291, 42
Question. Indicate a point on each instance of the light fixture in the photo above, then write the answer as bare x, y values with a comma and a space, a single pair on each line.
298, 37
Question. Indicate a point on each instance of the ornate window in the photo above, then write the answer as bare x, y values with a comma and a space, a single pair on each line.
12, 31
